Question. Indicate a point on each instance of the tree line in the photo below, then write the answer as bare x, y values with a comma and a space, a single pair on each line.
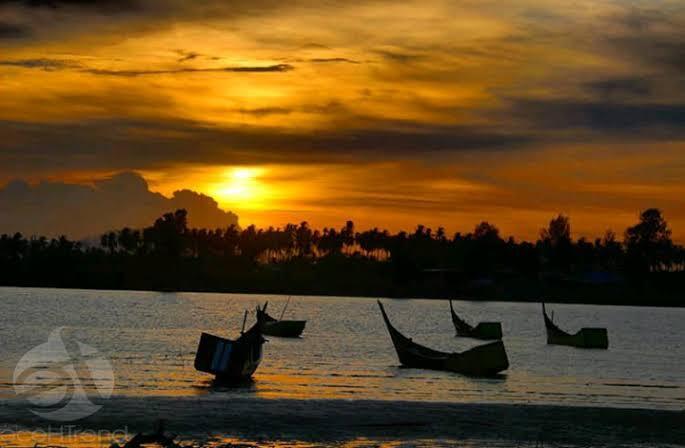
644, 266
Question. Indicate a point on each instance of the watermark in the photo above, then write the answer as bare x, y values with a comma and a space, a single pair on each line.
56, 378
61, 436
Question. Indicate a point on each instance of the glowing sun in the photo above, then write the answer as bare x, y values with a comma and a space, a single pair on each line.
240, 185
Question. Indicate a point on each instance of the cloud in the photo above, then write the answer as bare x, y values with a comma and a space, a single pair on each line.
62, 17
602, 116
13, 31
437, 82
63, 64
173, 71
105, 5
647, 37
662, 51
620, 87
80, 211
266, 111
187, 55
333, 60
121, 144
398, 56
41, 63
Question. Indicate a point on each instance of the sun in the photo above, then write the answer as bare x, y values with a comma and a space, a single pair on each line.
240, 185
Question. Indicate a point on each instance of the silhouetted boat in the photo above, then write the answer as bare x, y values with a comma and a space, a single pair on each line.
231, 360
483, 360
279, 327
484, 330
584, 338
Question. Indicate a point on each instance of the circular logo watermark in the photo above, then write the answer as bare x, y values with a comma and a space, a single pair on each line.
57, 380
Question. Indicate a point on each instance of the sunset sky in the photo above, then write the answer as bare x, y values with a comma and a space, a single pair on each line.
443, 113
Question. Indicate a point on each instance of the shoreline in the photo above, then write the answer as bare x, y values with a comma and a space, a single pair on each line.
331, 421
552, 300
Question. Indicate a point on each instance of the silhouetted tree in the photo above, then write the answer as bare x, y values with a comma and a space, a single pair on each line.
649, 243
304, 240
558, 232
347, 234
168, 235
487, 248
486, 232
168, 254
610, 251
128, 240
109, 241
331, 242
556, 243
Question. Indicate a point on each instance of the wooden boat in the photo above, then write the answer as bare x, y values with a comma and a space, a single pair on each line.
231, 360
484, 360
484, 330
584, 338
279, 327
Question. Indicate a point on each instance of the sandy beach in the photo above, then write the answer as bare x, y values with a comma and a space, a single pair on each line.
332, 422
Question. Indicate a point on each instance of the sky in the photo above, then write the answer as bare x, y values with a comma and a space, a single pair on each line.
444, 113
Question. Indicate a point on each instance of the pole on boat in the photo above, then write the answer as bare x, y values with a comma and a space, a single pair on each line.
244, 321
285, 307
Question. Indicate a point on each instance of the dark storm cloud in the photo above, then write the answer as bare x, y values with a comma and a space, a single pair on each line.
13, 31
601, 116
665, 52
68, 16
85, 211
105, 5
642, 19
110, 21
651, 37
119, 144
616, 106
620, 87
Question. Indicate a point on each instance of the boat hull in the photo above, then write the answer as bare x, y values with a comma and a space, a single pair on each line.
597, 338
483, 360
284, 328
487, 331
227, 360
584, 338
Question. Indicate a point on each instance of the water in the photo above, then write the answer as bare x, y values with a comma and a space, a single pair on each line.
346, 352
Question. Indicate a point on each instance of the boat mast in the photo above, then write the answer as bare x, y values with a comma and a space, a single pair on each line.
244, 321
284, 308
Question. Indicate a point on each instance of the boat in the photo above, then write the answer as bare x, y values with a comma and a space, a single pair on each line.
279, 327
483, 360
584, 338
229, 360
484, 330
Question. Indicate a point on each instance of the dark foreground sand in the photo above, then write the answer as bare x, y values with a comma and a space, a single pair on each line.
334, 421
